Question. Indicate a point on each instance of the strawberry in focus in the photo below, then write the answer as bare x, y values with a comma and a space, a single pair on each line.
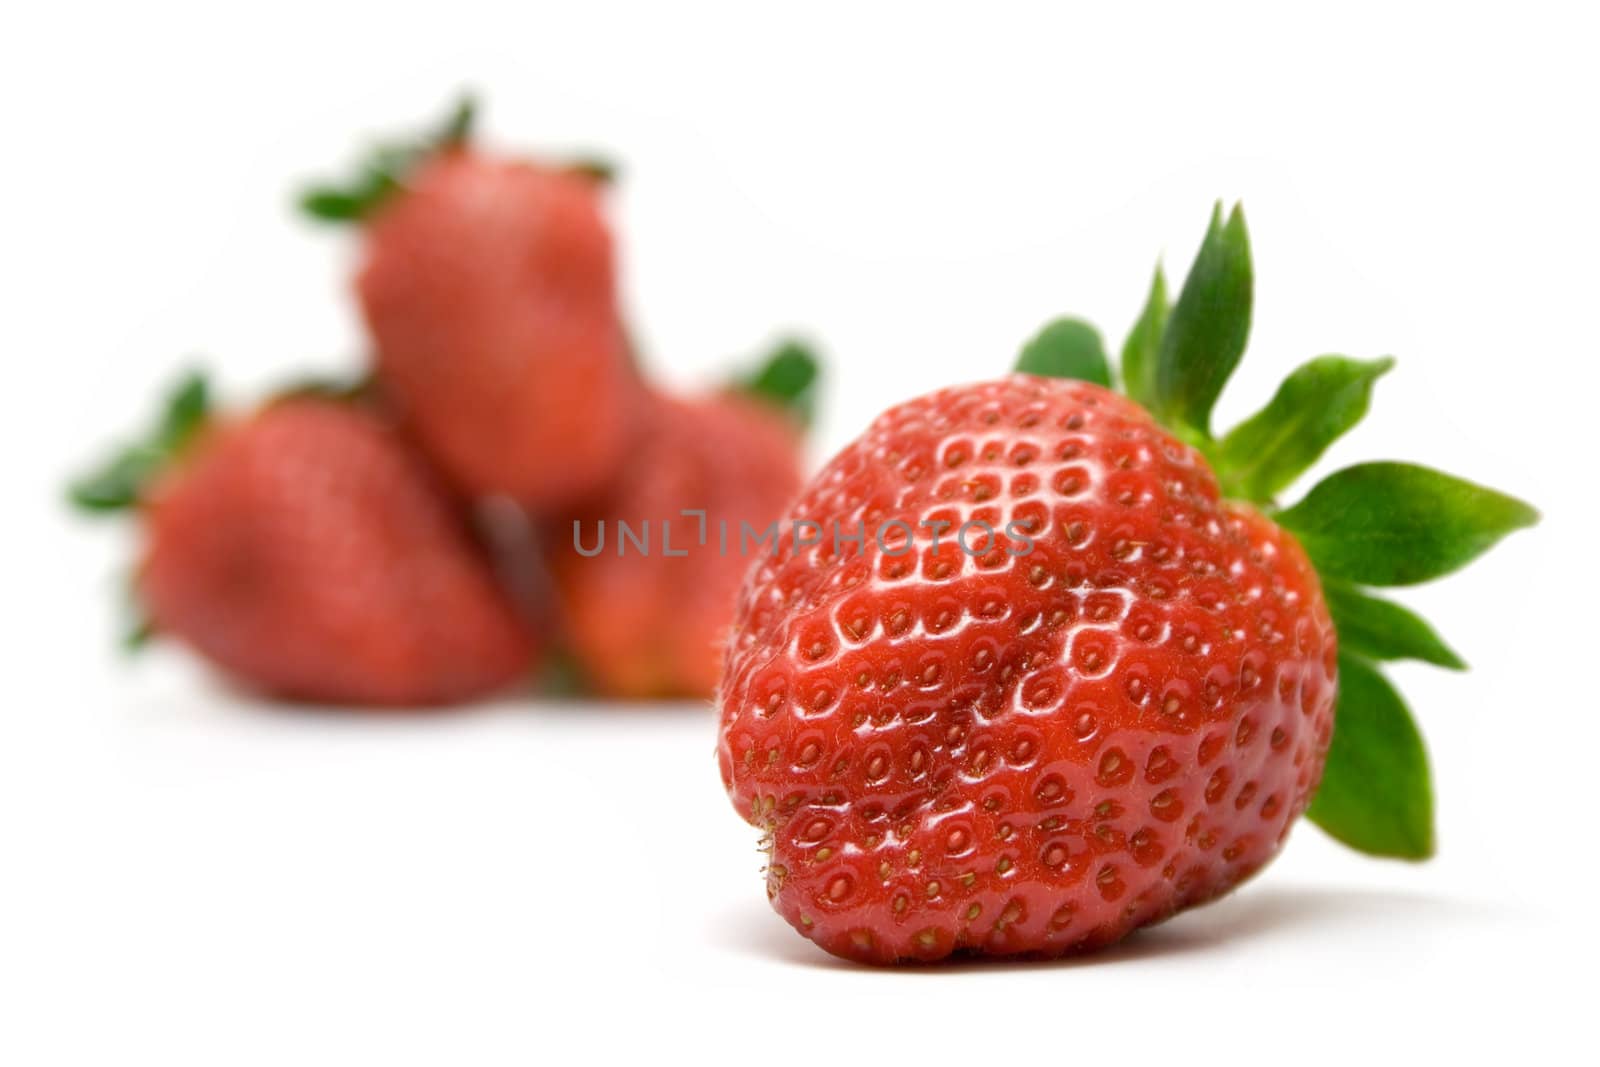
1082, 672
488, 286
645, 623
307, 552
1034, 747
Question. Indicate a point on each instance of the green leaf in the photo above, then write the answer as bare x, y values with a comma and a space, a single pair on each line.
188, 406
787, 378
121, 481
1205, 335
1376, 794
138, 634
1144, 341
117, 483
340, 388
1383, 630
597, 169
138, 629
458, 124
1313, 407
385, 168
341, 205
1399, 524
1067, 348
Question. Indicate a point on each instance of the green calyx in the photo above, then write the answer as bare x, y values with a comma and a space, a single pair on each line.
1371, 524
385, 167
121, 481
785, 378
357, 388
387, 164
1067, 348
597, 169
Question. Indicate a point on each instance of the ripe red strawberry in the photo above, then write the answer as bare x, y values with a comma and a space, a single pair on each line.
308, 553
646, 624
1116, 705
489, 289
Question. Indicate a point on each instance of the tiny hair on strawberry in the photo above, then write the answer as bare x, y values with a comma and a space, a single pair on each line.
1086, 669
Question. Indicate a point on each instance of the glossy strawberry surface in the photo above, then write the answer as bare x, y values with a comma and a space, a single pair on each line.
309, 554
1111, 714
650, 621
489, 289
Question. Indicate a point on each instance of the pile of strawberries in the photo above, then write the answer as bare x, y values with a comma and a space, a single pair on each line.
411, 538
1032, 663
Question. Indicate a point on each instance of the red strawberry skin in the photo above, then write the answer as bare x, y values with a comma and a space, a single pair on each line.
1032, 753
489, 291
309, 554
653, 626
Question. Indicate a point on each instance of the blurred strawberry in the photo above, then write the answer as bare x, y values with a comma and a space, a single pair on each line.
645, 612
306, 551
488, 286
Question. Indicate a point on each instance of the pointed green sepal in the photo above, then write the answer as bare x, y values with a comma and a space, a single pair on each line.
138, 633
1205, 335
137, 629
1377, 792
1399, 523
458, 123
1144, 341
1380, 629
1067, 348
1316, 405
341, 388
596, 169
787, 378
121, 481
385, 167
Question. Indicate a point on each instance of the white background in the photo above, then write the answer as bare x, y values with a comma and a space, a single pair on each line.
189, 877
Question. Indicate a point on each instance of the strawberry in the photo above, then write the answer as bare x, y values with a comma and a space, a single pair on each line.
1080, 671
489, 289
307, 552
648, 622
